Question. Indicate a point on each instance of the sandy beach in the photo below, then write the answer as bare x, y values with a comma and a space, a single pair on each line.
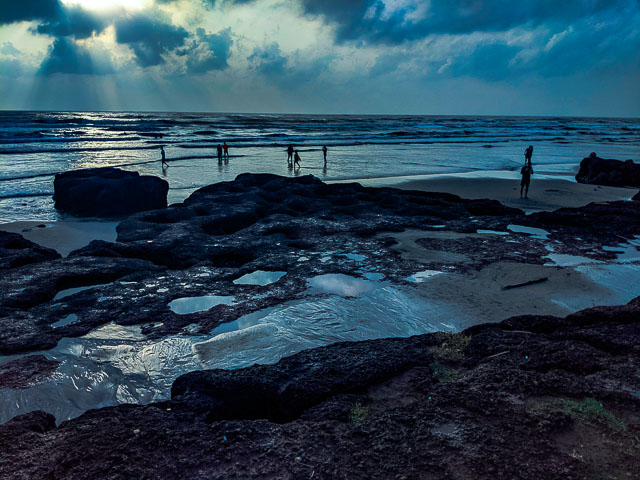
63, 236
545, 194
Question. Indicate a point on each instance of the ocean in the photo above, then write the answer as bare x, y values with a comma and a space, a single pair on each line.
34, 146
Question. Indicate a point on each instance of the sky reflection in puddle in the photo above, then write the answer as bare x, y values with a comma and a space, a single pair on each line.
186, 305
259, 277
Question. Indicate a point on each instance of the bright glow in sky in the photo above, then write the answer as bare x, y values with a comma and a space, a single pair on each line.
105, 4
530, 57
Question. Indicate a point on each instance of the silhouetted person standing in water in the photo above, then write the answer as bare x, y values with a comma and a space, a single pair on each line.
296, 159
528, 153
324, 154
219, 151
526, 173
226, 151
164, 160
290, 155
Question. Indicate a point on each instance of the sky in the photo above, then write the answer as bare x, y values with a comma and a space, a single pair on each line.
432, 57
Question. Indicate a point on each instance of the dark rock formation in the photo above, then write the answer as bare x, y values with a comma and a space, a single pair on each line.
26, 371
636, 197
267, 222
108, 192
615, 173
16, 251
531, 398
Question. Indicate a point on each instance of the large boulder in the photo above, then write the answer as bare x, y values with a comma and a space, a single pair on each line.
601, 171
108, 192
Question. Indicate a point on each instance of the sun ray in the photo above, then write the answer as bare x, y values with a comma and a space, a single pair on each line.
105, 4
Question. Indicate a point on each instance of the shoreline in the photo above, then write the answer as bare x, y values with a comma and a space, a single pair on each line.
546, 193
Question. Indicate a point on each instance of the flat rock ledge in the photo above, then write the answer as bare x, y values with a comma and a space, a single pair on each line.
108, 192
533, 397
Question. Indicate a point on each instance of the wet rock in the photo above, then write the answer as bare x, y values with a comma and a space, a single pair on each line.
532, 398
268, 222
16, 251
108, 192
26, 371
615, 173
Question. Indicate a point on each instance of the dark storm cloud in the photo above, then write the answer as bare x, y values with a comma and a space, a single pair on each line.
26, 10
268, 60
372, 21
66, 56
150, 38
208, 52
73, 21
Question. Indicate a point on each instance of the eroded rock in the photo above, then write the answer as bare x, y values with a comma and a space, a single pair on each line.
615, 173
108, 192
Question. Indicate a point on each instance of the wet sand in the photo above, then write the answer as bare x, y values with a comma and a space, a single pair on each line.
63, 236
480, 296
544, 193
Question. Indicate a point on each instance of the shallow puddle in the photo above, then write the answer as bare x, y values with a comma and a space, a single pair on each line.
340, 284
423, 276
563, 260
491, 232
259, 277
70, 291
69, 319
186, 305
538, 233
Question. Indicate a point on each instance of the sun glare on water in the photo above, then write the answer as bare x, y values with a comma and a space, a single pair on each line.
104, 4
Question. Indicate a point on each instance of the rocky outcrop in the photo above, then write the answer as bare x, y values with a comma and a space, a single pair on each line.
26, 371
532, 398
614, 173
17, 251
108, 192
266, 222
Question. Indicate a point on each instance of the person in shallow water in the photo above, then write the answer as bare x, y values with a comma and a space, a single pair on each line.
528, 153
324, 154
296, 159
219, 151
526, 173
290, 154
164, 160
225, 147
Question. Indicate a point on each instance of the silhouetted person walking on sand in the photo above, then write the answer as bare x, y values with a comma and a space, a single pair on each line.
528, 153
324, 153
526, 172
219, 151
296, 159
290, 155
164, 161
226, 150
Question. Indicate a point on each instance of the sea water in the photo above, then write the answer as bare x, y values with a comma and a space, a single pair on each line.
34, 146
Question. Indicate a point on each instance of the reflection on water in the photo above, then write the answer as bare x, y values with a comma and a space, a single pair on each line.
267, 336
259, 277
69, 319
117, 364
341, 284
70, 291
186, 305
538, 233
423, 276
